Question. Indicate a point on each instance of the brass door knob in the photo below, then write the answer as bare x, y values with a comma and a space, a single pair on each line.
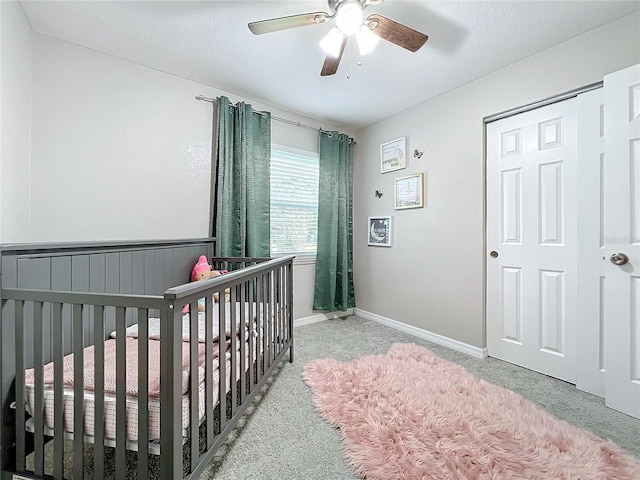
493, 254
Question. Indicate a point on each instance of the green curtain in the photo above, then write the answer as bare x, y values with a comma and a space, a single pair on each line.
334, 263
243, 146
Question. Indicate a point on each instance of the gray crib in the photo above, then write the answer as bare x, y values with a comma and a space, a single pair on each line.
86, 328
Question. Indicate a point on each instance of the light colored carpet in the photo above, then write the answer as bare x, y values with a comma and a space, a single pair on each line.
286, 438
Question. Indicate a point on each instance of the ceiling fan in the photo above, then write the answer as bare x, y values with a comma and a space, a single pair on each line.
350, 20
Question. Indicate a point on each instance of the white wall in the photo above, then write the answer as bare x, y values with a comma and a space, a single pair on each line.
16, 52
121, 151
433, 276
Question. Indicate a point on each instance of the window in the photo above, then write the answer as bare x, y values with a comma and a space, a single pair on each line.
294, 202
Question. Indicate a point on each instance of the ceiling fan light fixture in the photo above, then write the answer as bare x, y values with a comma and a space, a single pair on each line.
367, 40
349, 17
332, 42
350, 21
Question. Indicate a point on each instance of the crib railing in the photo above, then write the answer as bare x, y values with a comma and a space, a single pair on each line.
260, 293
267, 285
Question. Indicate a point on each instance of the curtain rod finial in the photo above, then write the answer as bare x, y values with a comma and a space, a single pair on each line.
203, 98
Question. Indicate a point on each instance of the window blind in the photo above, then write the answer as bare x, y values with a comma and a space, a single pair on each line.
294, 202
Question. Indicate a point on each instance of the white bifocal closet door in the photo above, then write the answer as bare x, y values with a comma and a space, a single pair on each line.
590, 331
622, 240
531, 236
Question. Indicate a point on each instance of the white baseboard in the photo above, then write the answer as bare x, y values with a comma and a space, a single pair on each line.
424, 334
320, 317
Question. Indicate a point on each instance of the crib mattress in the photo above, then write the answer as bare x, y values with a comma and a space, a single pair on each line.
131, 405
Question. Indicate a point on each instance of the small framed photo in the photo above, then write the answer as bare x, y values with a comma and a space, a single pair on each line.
393, 155
379, 231
409, 191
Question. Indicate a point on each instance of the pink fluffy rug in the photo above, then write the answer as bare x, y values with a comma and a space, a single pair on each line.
411, 415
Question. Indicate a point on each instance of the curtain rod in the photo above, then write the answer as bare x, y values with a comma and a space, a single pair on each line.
283, 120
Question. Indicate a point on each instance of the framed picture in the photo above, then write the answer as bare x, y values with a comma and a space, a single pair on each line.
379, 231
409, 191
393, 155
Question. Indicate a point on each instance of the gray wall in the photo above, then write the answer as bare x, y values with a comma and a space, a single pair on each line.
433, 276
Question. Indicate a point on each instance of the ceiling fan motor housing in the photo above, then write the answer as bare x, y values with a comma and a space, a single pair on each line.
350, 16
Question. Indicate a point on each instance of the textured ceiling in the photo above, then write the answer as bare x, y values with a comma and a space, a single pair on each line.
209, 42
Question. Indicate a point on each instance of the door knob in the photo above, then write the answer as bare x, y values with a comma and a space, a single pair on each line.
493, 254
618, 258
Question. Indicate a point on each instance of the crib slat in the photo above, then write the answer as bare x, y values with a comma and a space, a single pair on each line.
58, 393
208, 354
98, 341
283, 305
2, 352
273, 312
193, 386
20, 400
243, 342
143, 393
121, 394
269, 315
78, 392
222, 365
252, 340
279, 290
261, 330
233, 322
38, 417
170, 393
267, 324
290, 307
273, 302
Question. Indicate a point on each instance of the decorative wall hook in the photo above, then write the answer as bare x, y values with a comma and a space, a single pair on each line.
417, 153
378, 193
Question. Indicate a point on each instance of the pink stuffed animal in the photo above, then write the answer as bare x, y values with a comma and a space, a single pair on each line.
203, 271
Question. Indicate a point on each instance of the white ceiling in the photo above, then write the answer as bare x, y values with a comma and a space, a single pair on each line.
209, 42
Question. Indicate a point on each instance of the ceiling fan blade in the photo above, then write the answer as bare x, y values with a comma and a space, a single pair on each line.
331, 63
397, 33
283, 23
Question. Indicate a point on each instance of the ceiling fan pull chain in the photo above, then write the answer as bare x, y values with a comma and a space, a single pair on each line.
349, 55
